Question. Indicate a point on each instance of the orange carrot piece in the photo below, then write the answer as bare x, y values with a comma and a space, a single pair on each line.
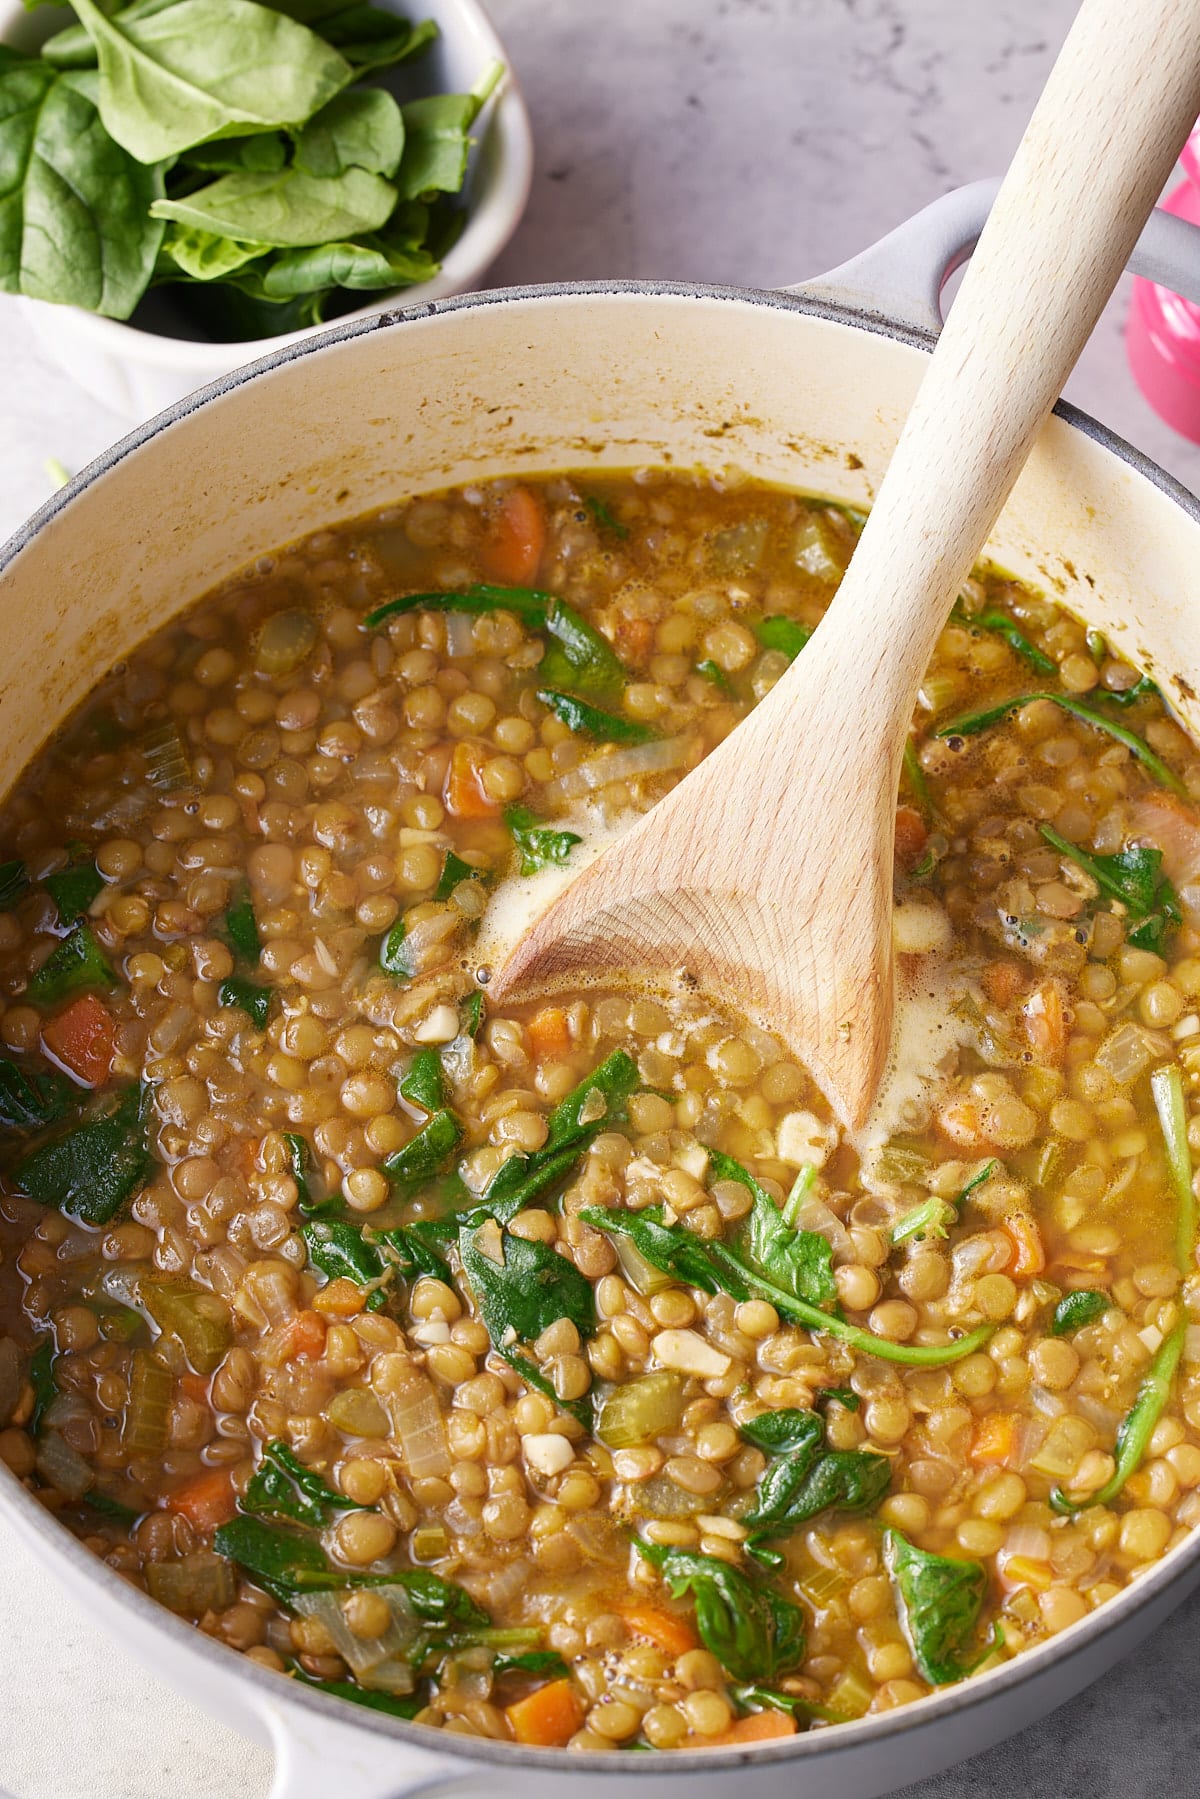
549, 1034
994, 1439
516, 538
758, 1727
1024, 1571
465, 796
305, 1336
548, 1717
911, 836
635, 639
1029, 1255
207, 1501
1045, 1015
342, 1298
1002, 982
194, 1385
666, 1630
84, 1039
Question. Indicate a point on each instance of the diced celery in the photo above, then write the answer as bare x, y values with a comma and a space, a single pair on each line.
641, 1410
821, 1585
1066, 1442
200, 1583
850, 1695
358, 1413
819, 547
642, 1275
146, 1416
200, 1320
428, 1543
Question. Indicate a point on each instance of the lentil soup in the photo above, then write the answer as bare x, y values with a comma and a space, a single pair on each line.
559, 1372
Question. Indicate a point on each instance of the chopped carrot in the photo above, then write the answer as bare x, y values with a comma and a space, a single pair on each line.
1024, 1571
549, 1034
84, 1039
516, 538
341, 1298
910, 841
667, 1631
206, 1501
1002, 982
548, 1717
994, 1439
304, 1336
1029, 1257
465, 796
960, 1120
758, 1727
1045, 1015
635, 639
194, 1385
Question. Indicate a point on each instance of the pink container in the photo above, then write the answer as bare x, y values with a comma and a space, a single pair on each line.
1162, 336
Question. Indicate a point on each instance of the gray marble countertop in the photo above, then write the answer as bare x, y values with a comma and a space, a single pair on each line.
743, 141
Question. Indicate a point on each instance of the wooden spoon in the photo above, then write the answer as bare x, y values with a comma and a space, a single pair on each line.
767, 873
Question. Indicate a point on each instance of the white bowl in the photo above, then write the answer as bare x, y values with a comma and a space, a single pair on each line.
139, 373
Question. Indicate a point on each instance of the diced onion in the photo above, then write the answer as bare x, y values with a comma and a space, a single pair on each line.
460, 634
634, 763
62, 1467
1027, 1540
419, 1427
375, 1661
1126, 1054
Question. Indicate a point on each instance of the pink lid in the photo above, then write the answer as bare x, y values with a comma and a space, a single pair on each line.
1162, 335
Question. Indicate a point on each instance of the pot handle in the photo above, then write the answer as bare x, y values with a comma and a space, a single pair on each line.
901, 277
316, 1755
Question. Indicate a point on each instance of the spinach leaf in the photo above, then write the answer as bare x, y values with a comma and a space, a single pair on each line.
754, 1633
392, 1704
75, 963
282, 1487
14, 877
716, 676
787, 1432
246, 997
73, 889
806, 1478
843, 1396
1074, 1310
436, 144
370, 38
365, 266
454, 870
30, 1101
204, 257
933, 1216
785, 634
972, 723
44, 1383
538, 845
577, 715
1137, 1426
287, 209
361, 129
341, 1251
604, 516
410, 1249
472, 1013
95, 1168
300, 1162
241, 928
916, 780
801, 1262
759, 1698
1000, 625
395, 953
716, 1268
1134, 876
75, 222
440, 1602
578, 655
108, 1507
268, 150
939, 1600
424, 1155
546, 1662
424, 1085
596, 1104
280, 1560
530, 1288
195, 70
1143, 689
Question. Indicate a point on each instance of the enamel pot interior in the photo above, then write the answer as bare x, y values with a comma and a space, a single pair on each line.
616, 377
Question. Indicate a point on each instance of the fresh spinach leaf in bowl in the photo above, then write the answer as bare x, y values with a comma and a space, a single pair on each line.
249, 156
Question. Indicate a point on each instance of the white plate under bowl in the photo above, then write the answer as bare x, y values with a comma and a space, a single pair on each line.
139, 373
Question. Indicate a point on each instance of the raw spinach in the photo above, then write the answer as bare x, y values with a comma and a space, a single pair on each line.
76, 224
577, 715
240, 928
73, 964
287, 209
195, 70
73, 889
30, 1101
246, 997
14, 876
372, 39
538, 845
783, 634
578, 656
361, 129
716, 1268
972, 723
95, 1168
424, 1155
204, 256
436, 141
424, 1085
1133, 876
282, 1487
939, 1600
754, 1633
801, 1262
1074, 1310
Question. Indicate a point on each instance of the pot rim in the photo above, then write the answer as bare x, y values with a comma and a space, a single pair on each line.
33, 1521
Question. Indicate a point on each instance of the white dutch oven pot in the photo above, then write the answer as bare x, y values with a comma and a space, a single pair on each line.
807, 388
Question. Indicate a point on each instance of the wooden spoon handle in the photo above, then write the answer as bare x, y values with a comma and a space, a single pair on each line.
1114, 114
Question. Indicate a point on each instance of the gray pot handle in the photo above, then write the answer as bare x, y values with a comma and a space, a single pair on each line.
901, 277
